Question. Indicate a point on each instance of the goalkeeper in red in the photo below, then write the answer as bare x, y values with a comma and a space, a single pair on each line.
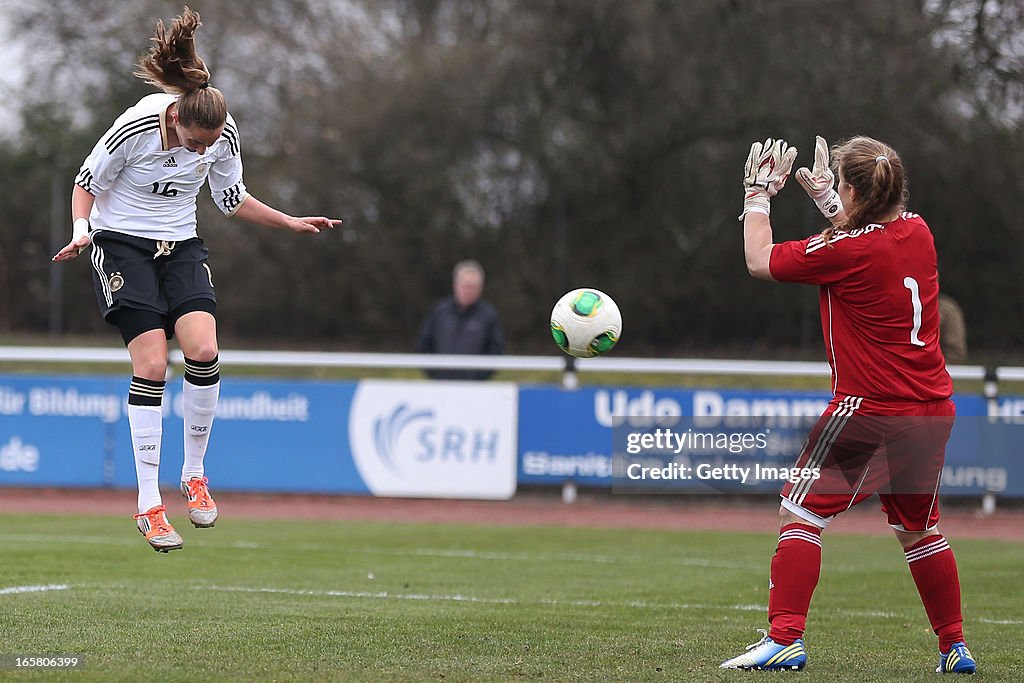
886, 428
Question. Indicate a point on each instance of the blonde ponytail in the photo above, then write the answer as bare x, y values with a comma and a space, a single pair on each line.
173, 65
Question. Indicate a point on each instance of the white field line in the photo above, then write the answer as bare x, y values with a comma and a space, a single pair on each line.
717, 564
1001, 622
128, 539
458, 597
370, 550
35, 589
530, 557
637, 604
469, 554
869, 613
86, 540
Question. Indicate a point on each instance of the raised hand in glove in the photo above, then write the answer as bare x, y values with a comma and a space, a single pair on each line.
765, 173
819, 182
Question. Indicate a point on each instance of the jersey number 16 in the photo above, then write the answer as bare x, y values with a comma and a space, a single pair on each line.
168, 191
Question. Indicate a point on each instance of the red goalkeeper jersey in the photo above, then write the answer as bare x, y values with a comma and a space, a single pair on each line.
879, 307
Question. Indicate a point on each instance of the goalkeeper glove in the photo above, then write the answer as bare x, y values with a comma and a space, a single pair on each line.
766, 171
819, 181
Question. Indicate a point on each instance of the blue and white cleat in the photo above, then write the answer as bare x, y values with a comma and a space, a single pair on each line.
768, 655
958, 660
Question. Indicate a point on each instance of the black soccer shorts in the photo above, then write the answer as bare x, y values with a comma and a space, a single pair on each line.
141, 282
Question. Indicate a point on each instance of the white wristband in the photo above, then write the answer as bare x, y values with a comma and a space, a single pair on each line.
79, 229
830, 204
766, 210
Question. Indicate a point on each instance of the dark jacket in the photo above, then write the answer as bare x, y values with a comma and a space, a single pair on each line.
473, 330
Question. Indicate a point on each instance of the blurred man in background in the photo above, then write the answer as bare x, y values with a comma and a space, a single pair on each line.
463, 323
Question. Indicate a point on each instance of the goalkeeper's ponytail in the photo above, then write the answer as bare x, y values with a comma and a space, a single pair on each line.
875, 171
173, 65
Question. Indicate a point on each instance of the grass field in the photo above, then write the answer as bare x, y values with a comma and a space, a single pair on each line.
289, 600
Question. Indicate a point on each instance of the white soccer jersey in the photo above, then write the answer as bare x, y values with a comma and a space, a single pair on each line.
142, 188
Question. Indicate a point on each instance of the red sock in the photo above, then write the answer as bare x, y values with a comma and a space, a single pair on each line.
795, 569
934, 570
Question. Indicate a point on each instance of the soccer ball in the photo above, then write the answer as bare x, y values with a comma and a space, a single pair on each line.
586, 323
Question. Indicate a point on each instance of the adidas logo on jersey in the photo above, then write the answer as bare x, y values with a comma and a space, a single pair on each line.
171, 163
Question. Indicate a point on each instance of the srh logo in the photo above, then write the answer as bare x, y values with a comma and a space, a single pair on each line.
434, 439
17, 456
387, 430
418, 435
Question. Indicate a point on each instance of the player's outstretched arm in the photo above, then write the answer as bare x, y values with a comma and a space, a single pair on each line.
255, 211
819, 183
757, 245
765, 173
81, 207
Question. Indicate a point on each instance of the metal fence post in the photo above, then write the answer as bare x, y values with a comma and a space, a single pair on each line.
991, 389
570, 380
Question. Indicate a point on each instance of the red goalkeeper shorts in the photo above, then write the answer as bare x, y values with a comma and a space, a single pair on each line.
860, 447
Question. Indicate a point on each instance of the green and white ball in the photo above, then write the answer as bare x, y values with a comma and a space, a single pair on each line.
586, 323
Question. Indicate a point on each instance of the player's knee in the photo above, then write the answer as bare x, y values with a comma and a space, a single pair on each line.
909, 538
787, 517
204, 351
150, 366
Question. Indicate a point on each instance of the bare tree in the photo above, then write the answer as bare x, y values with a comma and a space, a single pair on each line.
559, 143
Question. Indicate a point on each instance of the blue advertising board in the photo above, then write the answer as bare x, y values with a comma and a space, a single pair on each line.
570, 435
439, 439
60, 432
420, 439
268, 435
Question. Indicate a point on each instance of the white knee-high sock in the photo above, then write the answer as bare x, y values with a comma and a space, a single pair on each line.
145, 418
200, 392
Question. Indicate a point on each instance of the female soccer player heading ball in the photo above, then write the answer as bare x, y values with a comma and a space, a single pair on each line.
886, 428
134, 201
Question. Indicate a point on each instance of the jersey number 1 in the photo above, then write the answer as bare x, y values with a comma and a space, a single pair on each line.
915, 301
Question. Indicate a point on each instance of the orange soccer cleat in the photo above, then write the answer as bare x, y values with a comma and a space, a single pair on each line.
158, 531
202, 511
